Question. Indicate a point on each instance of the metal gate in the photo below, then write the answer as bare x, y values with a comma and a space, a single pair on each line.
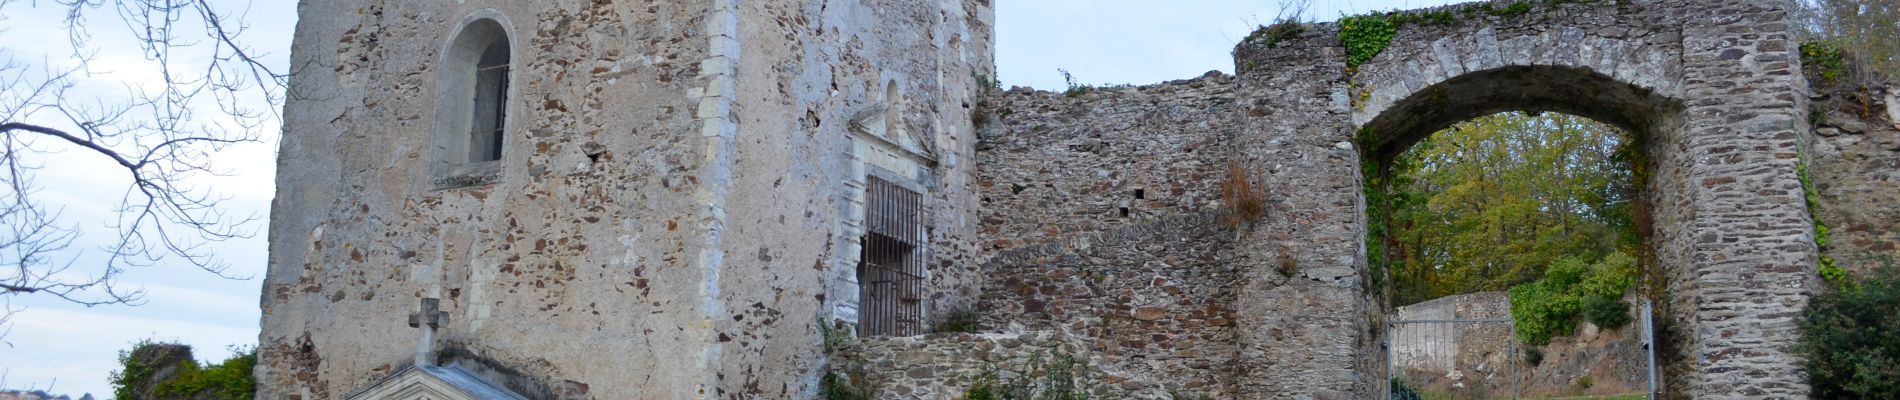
1478, 358
1462, 358
891, 268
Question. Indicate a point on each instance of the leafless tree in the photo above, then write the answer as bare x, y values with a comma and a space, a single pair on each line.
211, 92
1869, 29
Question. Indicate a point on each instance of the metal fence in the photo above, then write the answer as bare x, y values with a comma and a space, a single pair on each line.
1479, 358
1462, 358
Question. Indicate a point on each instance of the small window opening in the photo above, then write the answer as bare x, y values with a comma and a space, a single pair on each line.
1124, 212
1141, 194
491, 103
891, 266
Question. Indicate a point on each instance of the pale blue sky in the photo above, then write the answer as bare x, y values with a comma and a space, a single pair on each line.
71, 349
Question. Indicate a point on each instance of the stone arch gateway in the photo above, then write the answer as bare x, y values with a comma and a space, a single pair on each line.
1712, 89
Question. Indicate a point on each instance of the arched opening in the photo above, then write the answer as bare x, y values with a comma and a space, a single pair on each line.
472, 101
1548, 231
491, 99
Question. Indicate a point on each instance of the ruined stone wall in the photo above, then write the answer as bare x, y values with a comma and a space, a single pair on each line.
1311, 336
1147, 292
1855, 166
1152, 303
789, 208
585, 245
1059, 166
948, 366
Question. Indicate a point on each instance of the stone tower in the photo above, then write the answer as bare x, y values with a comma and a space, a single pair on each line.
616, 199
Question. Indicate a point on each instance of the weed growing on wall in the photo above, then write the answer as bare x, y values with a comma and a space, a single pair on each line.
1830, 269
1059, 377
1829, 61
1246, 200
1365, 36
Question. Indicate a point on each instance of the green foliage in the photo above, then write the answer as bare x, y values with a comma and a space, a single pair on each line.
1825, 58
1378, 206
1852, 339
1491, 202
1549, 307
1272, 35
1851, 37
1606, 312
1365, 36
1404, 391
1515, 9
1542, 311
1610, 277
839, 387
230, 379
1058, 377
1829, 269
1533, 356
1077, 88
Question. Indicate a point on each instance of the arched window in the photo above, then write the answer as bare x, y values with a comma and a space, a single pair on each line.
491, 100
472, 103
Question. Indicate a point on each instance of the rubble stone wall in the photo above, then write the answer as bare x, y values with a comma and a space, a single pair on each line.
584, 245
1854, 163
1057, 166
1152, 303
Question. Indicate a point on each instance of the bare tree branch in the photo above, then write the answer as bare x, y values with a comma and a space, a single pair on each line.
210, 92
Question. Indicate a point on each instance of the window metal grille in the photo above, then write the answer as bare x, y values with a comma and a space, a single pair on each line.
491, 104
891, 267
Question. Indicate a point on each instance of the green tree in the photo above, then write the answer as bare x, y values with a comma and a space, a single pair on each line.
1869, 29
1490, 203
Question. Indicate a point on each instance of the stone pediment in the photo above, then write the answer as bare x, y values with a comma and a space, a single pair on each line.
435, 383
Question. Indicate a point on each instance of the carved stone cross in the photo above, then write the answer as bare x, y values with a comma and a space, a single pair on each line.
428, 318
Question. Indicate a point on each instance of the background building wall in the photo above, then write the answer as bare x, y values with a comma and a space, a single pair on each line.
586, 246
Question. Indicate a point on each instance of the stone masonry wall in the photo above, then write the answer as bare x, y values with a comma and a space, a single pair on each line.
1718, 112
1059, 166
1147, 292
1152, 303
1855, 166
583, 246
947, 366
802, 72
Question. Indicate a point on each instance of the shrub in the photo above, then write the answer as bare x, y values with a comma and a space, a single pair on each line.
1403, 391
837, 387
1059, 377
1605, 312
1533, 356
1852, 339
1543, 310
1549, 307
167, 371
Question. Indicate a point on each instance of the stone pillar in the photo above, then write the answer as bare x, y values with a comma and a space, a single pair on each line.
1747, 243
1304, 314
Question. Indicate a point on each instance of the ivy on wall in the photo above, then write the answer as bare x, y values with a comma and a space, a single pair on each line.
1830, 269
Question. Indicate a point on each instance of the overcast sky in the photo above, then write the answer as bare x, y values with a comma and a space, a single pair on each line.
71, 349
